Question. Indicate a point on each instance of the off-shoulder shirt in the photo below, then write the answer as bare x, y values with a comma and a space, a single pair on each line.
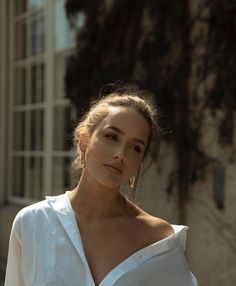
46, 249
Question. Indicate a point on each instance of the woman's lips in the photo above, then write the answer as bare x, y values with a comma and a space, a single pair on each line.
114, 169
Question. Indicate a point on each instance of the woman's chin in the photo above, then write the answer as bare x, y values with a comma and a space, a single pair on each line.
110, 183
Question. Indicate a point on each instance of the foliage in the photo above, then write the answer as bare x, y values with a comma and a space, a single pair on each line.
149, 42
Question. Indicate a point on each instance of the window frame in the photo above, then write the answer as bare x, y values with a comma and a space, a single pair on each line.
4, 7
48, 57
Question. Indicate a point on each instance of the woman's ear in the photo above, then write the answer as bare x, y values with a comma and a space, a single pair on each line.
83, 142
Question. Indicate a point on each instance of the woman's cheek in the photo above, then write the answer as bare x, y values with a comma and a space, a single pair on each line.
136, 163
99, 150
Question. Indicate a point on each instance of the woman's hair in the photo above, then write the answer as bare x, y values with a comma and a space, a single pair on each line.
124, 95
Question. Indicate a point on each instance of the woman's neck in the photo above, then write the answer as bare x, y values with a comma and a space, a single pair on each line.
92, 200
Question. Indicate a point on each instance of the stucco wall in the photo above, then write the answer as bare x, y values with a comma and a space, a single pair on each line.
212, 251
7, 215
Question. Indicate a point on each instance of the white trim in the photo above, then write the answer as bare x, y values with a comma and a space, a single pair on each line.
49, 90
29, 107
10, 102
27, 153
38, 58
61, 101
67, 51
27, 14
21, 201
48, 58
62, 154
3, 99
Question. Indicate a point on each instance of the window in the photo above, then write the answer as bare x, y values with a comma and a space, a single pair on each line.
40, 116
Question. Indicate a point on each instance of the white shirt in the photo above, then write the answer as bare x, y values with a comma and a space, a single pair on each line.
46, 249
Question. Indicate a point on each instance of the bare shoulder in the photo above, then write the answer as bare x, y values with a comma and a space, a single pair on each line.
158, 227
155, 227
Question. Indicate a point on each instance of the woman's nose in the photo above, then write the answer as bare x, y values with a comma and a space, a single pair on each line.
118, 157
119, 154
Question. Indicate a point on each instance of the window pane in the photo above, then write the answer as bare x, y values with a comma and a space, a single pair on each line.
19, 131
59, 75
20, 40
62, 175
22, 5
64, 35
18, 176
36, 4
34, 175
36, 130
40, 83
37, 83
37, 34
62, 137
20, 86
33, 83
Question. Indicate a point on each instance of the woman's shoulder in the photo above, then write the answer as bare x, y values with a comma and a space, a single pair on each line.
32, 208
36, 218
42, 205
158, 227
27, 217
35, 211
155, 227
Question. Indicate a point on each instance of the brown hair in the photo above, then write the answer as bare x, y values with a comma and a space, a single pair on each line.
119, 95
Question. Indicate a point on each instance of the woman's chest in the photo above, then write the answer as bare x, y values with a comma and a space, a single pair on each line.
106, 246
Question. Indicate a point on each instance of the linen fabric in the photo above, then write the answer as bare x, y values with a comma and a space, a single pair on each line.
46, 249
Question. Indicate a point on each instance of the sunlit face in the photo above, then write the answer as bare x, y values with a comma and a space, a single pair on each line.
116, 148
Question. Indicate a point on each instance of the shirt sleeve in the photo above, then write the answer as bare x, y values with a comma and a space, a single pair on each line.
14, 273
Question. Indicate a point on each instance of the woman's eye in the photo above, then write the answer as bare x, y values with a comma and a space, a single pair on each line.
111, 136
136, 148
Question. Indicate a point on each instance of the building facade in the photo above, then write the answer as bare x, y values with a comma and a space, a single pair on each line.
36, 123
36, 117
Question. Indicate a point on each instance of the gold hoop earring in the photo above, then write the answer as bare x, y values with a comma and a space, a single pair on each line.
132, 181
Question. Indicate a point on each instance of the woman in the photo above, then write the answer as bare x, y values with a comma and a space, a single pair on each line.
93, 235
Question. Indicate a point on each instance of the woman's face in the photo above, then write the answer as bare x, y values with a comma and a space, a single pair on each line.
116, 148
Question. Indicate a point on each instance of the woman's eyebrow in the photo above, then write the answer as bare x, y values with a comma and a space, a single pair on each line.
121, 132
